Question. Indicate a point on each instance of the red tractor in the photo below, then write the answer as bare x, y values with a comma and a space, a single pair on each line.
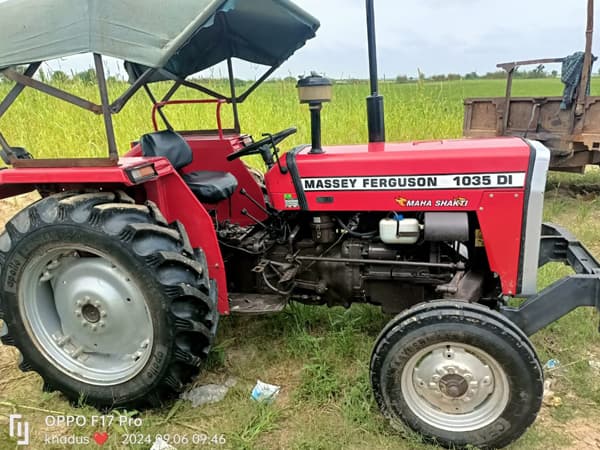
112, 284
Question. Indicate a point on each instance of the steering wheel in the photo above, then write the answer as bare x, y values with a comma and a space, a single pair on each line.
257, 147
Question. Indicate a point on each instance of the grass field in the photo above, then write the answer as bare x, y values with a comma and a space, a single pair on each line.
319, 356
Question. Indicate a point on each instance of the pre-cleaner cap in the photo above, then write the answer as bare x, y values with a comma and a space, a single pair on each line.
314, 88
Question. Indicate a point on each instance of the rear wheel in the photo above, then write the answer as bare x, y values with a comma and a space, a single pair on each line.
108, 303
460, 374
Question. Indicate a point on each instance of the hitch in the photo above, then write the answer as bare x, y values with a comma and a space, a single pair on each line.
566, 294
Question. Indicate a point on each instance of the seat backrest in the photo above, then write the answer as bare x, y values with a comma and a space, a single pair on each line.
167, 144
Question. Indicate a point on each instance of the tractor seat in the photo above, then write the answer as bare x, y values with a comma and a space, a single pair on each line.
211, 186
208, 187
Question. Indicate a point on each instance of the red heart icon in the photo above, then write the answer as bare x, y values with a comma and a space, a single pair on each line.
101, 438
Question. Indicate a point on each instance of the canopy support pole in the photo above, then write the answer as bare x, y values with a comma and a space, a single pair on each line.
191, 85
171, 92
113, 153
234, 105
17, 89
257, 83
120, 103
52, 91
160, 111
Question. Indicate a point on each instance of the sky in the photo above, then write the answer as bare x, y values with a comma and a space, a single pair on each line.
435, 36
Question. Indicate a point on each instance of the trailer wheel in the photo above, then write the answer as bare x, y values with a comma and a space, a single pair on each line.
105, 300
459, 374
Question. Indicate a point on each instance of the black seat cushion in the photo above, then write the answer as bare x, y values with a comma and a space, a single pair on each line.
211, 187
167, 144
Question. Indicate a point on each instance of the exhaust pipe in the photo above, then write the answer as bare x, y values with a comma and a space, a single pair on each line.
375, 112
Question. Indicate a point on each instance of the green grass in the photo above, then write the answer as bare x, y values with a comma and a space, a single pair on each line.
52, 128
319, 356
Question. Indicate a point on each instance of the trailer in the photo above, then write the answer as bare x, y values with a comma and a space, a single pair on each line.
571, 132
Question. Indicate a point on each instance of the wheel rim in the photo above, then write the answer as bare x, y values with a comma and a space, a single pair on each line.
87, 316
455, 387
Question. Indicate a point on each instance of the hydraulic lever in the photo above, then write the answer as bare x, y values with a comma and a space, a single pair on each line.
257, 204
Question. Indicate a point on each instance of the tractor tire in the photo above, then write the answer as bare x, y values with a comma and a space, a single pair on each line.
105, 300
459, 374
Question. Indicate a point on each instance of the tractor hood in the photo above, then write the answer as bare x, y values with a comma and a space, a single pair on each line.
389, 176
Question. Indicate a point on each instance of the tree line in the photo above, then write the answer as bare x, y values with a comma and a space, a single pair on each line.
89, 77
539, 72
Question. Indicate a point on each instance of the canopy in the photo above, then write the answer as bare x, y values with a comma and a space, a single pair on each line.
184, 36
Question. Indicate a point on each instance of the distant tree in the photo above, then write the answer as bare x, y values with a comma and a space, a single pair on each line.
453, 77
59, 77
440, 77
554, 73
290, 79
86, 77
496, 75
402, 79
471, 76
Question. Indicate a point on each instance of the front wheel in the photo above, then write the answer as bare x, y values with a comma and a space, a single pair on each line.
108, 303
459, 374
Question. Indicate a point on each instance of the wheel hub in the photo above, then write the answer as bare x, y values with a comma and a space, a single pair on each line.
455, 386
90, 313
453, 380
88, 316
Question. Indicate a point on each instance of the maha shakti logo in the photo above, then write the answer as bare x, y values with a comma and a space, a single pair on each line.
458, 202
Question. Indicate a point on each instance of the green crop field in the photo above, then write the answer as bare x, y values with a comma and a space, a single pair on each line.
319, 356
